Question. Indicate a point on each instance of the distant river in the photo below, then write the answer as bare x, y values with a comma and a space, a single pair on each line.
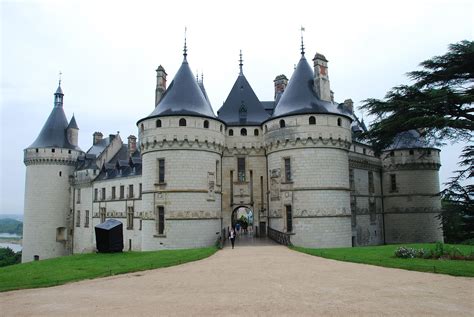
14, 246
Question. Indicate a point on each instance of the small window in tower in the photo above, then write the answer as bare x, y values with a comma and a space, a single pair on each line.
86, 219
393, 182
182, 122
412, 152
206, 124
392, 153
37, 150
243, 131
429, 152
160, 220
130, 191
339, 121
282, 123
231, 132
69, 152
289, 219
129, 218
60, 174
364, 151
158, 123
266, 129
255, 132
221, 128
96, 194
53, 150
312, 120
287, 169
241, 169
142, 127
122, 192
78, 218
161, 171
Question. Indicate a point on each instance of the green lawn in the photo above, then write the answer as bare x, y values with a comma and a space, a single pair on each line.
384, 256
87, 266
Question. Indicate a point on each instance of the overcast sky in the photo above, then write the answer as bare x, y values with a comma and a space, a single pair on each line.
108, 52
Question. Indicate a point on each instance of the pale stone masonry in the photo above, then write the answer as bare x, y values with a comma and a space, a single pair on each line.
295, 164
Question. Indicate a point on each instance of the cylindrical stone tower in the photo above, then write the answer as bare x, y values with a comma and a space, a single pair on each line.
181, 144
307, 142
412, 202
50, 161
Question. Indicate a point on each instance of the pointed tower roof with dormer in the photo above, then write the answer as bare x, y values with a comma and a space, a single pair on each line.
53, 133
242, 107
183, 97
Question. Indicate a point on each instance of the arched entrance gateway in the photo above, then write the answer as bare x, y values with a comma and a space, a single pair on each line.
243, 218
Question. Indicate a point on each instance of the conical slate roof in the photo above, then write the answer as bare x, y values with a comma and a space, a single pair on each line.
53, 133
299, 96
242, 106
410, 139
183, 97
73, 123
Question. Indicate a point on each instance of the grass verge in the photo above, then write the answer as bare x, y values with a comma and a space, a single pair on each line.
384, 256
78, 267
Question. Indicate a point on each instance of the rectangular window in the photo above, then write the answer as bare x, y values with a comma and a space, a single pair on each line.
130, 191
351, 179
161, 170
289, 219
353, 211
241, 169
371, 182
78, 196
140, 228
287, 170
96, 194
86, 219
122, 192
130, 218
113, 192
140, 189
393, 182
78, 218
372, 212
160, 220
102, 214
102, 196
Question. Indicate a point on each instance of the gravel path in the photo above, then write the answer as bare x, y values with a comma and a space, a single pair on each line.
253, 280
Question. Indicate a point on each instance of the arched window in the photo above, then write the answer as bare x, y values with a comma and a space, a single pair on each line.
182, 122
231, 132
158, 123
255, 132
243, 131
142, 127
339, 121
206, 124
312, 120
392, 153
282, 123
266, 129
221, 127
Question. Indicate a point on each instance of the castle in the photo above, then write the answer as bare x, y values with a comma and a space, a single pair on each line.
296, 162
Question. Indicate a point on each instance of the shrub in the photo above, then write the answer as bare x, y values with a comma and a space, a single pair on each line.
440, 251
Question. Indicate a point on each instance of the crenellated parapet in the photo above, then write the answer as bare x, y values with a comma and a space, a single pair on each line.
50, 156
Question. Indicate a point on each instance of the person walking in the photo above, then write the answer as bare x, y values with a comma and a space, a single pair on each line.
232, 236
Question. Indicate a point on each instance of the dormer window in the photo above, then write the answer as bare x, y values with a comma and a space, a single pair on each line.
182, 122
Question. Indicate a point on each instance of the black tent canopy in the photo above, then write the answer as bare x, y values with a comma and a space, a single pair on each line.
109, 236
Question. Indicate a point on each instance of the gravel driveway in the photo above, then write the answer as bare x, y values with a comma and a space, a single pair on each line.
253, 280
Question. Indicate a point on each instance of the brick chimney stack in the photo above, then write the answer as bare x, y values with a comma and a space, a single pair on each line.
97, 137
280, 84
132, 144
321, 77
349, 104
160, 84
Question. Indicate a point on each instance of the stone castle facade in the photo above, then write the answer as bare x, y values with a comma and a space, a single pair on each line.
297, 162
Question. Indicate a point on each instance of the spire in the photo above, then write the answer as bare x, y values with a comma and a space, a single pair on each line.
302, 42
59, 95
185, 50
241, 63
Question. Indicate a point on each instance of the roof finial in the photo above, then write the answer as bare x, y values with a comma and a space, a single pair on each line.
60, 73
202, 76
241, 63
197, 76
185, 50
302, 43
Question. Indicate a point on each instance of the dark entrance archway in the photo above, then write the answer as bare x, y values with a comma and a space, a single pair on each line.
243, 215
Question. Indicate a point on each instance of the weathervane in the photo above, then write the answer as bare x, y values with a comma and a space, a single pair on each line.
60, 78
302, 43
185, 50
241, 63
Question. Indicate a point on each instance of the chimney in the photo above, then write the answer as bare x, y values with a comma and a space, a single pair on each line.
321, 78
132, 144
349, 104
280, 84
160, 84
97, 137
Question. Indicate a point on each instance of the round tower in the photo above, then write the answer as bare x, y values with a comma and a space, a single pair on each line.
410, 180
181, 144
50, 161
307, 142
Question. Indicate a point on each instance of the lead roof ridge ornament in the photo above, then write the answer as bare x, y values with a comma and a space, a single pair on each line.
302, 29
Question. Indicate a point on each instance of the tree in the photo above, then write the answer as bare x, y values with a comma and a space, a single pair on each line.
439, 106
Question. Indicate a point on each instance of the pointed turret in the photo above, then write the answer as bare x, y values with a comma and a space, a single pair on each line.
72, 131
242, 106
53, 133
